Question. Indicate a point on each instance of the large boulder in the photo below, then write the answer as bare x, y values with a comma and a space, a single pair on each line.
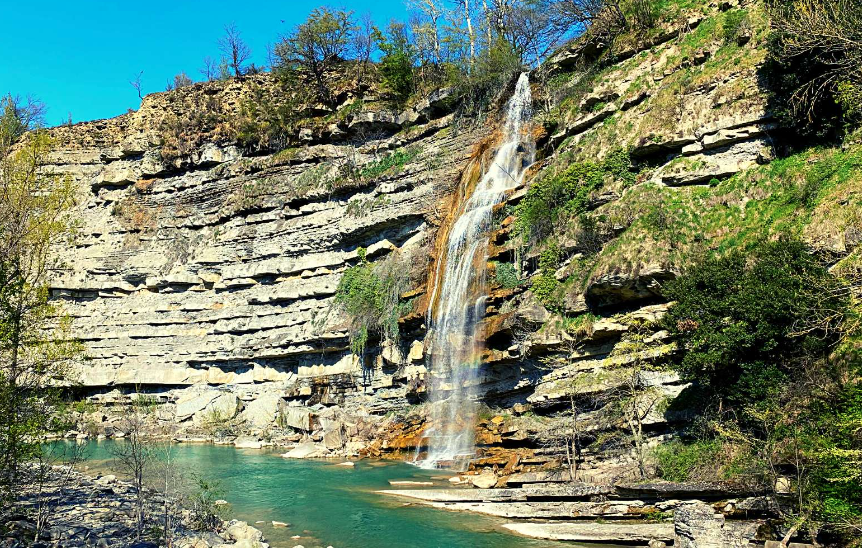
333, 439
212, 403
486, 480
307, 450
298, 418
698, 526
225, 406
262, 411
191, 404
240, 530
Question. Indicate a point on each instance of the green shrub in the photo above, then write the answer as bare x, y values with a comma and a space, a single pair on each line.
83, 406
264, 124
393, 162
565, 194
545, 286
396, 65
370, 296
849, 97
219, 424
746, 319
678, 461
834, 444
506, 275
479, 82
580, 325
734, 22
205, 513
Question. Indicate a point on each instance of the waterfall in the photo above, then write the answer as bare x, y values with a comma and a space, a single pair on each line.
453, 352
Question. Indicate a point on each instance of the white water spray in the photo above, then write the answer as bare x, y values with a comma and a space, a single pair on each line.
454, 353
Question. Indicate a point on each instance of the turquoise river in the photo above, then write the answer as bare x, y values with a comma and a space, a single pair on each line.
329, 505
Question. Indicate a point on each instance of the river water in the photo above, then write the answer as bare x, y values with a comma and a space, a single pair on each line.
330, 505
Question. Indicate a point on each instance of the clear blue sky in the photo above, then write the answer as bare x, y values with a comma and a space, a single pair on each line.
77, 56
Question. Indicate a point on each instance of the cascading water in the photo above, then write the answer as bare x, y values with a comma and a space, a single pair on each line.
454, 353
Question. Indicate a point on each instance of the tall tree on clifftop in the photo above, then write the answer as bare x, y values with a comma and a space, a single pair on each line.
316, 46
236, 52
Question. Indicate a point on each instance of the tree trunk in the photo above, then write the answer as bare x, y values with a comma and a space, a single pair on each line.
470, 33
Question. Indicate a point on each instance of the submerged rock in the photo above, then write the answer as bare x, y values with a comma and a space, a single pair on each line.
305, 450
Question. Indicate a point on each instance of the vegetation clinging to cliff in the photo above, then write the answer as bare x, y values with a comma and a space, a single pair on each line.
765, 337
557, 197
369, 294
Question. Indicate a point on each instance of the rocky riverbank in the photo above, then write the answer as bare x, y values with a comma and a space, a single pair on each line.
84, 511
648, 514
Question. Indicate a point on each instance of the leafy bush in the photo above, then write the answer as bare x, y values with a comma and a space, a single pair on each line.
479, 84
396, 65
833, 440
545, 286
205, 513
678, 461
264, 124
506, 275
201, 120
370, 296
580, 325
734, 23
83, 407
219, 424
745, 320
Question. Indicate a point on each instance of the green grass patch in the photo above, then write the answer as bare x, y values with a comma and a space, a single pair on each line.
391, 163
814, 195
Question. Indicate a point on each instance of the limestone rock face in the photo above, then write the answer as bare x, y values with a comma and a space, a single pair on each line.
216, 268
207, 276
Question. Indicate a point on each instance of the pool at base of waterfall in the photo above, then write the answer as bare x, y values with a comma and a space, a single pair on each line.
326, 504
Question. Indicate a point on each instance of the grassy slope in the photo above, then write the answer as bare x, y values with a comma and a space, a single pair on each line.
815, 194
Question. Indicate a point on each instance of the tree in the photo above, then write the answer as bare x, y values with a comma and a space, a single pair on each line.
234, 49
210, 69
633, 399
396, 65
136, 83
17, 116
744, 319
180, 80
530, 27
471, 35
363, 46
427, 28
134, 456
316, 46
816, 62
35, 351
168, 478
